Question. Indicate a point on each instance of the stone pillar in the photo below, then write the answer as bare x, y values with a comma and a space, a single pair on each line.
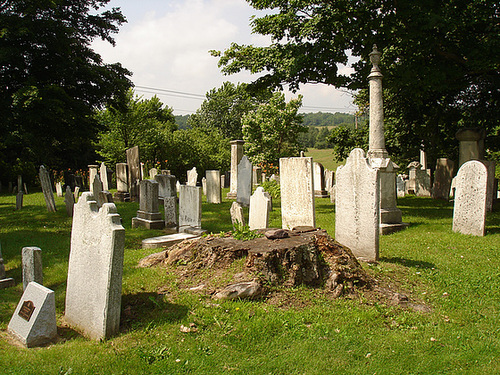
471, 144
390, 215
236, 155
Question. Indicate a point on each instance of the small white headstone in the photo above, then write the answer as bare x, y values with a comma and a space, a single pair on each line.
258, 215
189, 207
469, 212
59, 189
192, 177
32, 265
214, 194
237, 217
34, 320
204, 185
103, 173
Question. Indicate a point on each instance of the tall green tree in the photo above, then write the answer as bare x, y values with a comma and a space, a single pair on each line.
441, 60
224, 107
272, 131
52, 81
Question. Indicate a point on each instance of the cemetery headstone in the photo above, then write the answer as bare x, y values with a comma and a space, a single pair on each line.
34, 320
443, 175
69, 201
48, 193
76, 193
258, 215
189, 208
204, 185
96, 188
148, 215
152, 173
223, 181
122, 194
94, 285
491, 190
192, 177
471, 145
329, 180
105, 197
170, 206
166, 185
244, 188
214, 193
19, 200
59, 187
105, 177
469, 212
236, 155
237, 216
357, 206
319, 181
134, 172
32, 265
400, 186
297, 192
93, 171
257, 175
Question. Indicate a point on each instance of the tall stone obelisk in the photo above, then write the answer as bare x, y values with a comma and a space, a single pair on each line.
390, 214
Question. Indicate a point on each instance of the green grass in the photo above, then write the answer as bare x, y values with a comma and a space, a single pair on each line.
457, 276
325, 157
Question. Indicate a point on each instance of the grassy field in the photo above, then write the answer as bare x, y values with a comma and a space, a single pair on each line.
456, 276
325, 157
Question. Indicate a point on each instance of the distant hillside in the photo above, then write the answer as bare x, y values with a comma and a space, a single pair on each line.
328, 119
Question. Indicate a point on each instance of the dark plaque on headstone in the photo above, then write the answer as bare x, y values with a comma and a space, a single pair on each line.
27, 310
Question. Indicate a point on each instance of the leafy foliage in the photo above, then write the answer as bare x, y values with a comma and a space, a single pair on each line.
52, 81
345, 139
243, 232
272, 187
271, 131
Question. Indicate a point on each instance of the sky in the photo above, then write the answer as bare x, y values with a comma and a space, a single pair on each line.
166, 45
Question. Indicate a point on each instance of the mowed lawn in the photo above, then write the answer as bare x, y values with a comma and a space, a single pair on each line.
456, 276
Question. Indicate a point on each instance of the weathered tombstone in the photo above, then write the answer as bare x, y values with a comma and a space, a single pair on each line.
152, 173
148, 215
105, 196
236, 155
422, 183
329, 180
93, 294
257, 175
19, 200
442, 178
34, 320
69, 201
76, 193
192, 177
59, 191
32, 265
214, 194
96, 188
105, 176
189, 208
134, 172
93, 171
166, 185
170, 206
319, 181
48, 193
204, 185
244, 189
492, 191
19, 182
471, 144
297, 192
258, 215
222, 181
237, 216
411, 186
400, 186
357, 206
5, 282
122, 194
165, 171
469, 212
79, 182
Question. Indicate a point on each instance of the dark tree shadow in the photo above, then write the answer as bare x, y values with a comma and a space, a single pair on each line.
408, 262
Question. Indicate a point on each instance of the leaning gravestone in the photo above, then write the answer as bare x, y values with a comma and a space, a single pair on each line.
94, 286
189, 208
34, 320
244, 185
237, 217
134, 172
297, 192
69, 201
148, 215
357, 206
258, 215
469, 212
442, 178
192, 177
32, 265
214, 193
48, 193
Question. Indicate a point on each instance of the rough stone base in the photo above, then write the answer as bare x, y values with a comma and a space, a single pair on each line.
149, 224
393, 216
121, 196
392, 228
192, 230
7, 283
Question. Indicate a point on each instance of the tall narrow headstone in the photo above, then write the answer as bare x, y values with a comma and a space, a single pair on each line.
400, 186
319, 181
48, 193
236, 155
189, 208
469, 212
258, 215
134, 172
214, 194
76, 193
19, 200
103, 173
257, 175
244, 189
96, 189
148, 215
166, 185
204, 185
170, 206
34, 320
357, 206
329, 180
192, 177
94, 286
419, 180
93, 171
122, 194
297, 192
491, 193
69, 201
32, 265
59, 189
443, 175
237, 216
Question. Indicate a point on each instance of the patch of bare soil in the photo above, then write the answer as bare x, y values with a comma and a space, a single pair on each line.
271, 269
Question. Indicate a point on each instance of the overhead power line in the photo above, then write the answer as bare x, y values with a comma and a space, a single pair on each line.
181, 94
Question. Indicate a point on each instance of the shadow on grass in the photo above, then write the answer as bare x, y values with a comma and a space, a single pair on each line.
407, 262
145, 309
